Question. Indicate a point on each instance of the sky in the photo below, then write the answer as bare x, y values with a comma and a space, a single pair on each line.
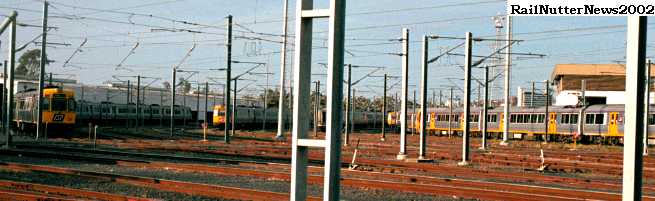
167, 29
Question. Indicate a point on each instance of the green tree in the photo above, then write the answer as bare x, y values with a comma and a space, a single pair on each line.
29, 63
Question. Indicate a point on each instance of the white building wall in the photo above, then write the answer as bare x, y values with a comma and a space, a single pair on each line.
570, 97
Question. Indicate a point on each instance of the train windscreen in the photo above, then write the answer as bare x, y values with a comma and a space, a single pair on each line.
59, 102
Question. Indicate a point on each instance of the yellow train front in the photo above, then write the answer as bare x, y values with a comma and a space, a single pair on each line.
58, 109
219, 115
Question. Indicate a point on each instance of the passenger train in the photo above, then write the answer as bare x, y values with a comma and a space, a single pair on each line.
600, 122
255, 116
62, 110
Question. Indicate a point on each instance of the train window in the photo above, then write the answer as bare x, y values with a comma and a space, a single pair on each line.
651, 119
600, 119
533, 118
564, 119
105, 110
59, 102
594, 118
491, 118
569, 119
122, 110
540, 118
473, 118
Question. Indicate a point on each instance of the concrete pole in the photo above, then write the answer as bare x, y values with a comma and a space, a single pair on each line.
206, 104
4, 95
143, 100
172, 114
485, 106
198, 104
467, 99
10, 87
228, 79
547, 118
161, 106
440, 98
138, 102
234, 108
346, 138
283, 62
634, 110
44, 60
317, 102
508, 63
184, 93
384, 107
647, 107
424, 93
450, 118
128, 96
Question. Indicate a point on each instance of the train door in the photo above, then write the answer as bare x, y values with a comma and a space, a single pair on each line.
432, 119
552, 123
613, 128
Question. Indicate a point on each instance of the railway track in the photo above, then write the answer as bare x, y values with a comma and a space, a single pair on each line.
11, 190
399, 166
408, 183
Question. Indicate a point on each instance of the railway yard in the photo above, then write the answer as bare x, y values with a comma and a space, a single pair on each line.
333, 100
149, 165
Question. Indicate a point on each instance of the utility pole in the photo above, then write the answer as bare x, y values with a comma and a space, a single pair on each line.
184, 93
424, 91
128, 96
508, 63
12, 65
647, 107
450, 117
138, 102
234, 108
44, 60
228, 78
467, 100
265, 119
317, 104
4, 95
440, 98
634, 110
161, 108
384, 107
485, 107
283, 62
402, 155
547, 118
198, 104
348, 101
206, 104
173, 86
